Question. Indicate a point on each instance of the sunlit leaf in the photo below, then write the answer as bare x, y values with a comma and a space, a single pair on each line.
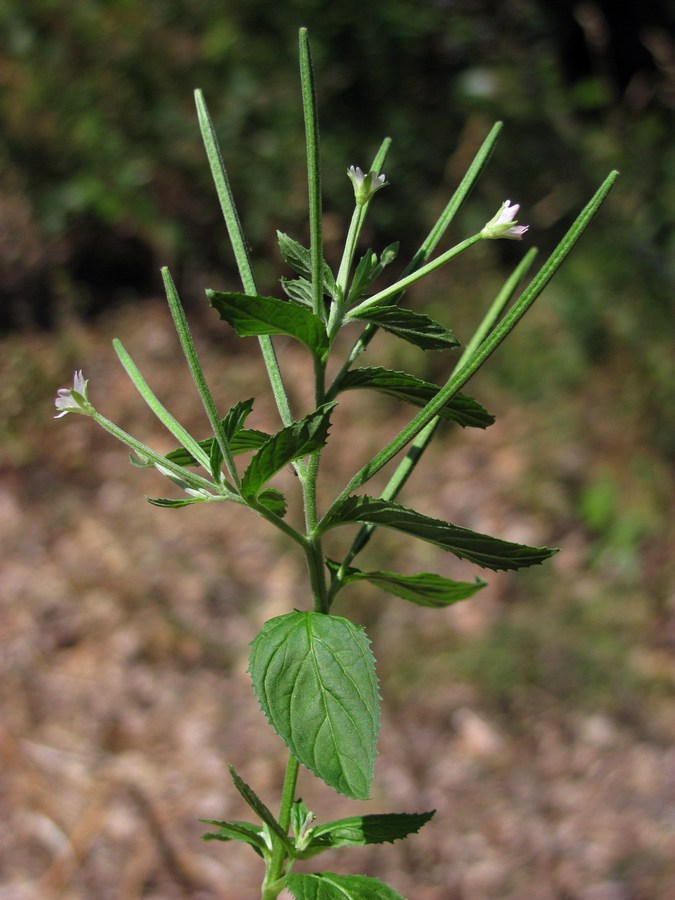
314, 676
253, 315
293, 442
328, 886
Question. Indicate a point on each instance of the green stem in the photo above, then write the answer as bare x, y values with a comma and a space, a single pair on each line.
273, 883
190, 352
146, 453
182, 436
337, 309
355, 226
240, 249
313, 173
399, 286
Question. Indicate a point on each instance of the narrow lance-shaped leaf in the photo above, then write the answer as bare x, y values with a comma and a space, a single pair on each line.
460, 409
268, 315
372, 829
258, 807
314, 676
298, 440
171, 503
488, 552
423, 588
236, 831
328, 886
413, 327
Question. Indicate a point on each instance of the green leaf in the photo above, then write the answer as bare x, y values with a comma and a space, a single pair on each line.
298, 290
258, 807
460, 408
298, 258
215, 460
424, 588
236, 831
373, 829
244, 440
253, 315
239, 438
293, 442
169, 503
328, 886
273, 500
314, 676
488, 552
235, 419
413, 327
368, 269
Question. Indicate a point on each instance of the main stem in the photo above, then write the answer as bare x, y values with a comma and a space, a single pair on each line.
273, 884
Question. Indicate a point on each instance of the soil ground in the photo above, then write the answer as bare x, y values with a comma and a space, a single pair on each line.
536, 718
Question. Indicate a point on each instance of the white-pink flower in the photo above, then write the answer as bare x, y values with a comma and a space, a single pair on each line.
365, 185
73, 399
504, 224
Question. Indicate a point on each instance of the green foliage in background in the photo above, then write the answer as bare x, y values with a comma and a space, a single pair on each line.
98, 137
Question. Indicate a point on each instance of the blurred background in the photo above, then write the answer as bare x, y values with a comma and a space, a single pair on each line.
536, 718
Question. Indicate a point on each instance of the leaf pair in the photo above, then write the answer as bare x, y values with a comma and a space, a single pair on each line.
355, 831
255, 315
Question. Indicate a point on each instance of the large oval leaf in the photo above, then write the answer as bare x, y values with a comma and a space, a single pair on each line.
328, 886
314, 676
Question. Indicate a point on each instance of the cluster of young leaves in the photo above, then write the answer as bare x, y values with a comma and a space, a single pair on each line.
313, 672
307, 840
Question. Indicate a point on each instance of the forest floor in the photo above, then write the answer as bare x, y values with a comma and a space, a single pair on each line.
536, 718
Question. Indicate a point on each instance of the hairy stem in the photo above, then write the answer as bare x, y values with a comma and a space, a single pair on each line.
273, 883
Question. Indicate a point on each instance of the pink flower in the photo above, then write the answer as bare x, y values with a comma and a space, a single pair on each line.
365, 185
505, 224
73, 399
